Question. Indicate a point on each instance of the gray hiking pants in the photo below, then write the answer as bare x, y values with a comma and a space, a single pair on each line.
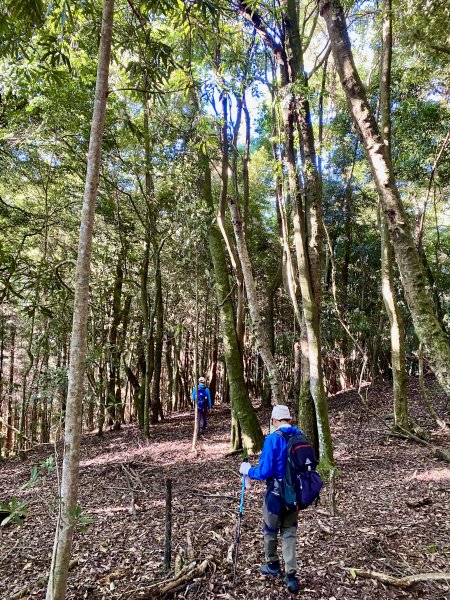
286, 523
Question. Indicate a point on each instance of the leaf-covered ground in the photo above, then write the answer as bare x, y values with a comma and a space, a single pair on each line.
393, 501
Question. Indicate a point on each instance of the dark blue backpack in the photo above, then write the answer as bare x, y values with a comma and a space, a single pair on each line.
301, 483
202, 399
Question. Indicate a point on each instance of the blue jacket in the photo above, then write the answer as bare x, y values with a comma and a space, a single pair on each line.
272, 462
208, 395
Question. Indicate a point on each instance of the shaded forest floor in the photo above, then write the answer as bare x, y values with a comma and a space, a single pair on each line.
393, 512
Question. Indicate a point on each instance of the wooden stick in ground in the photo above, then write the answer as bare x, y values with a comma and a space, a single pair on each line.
168, 536
332, 493
402, 582
131, 489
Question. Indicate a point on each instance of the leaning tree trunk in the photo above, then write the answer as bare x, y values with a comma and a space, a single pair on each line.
57, 583
426, 325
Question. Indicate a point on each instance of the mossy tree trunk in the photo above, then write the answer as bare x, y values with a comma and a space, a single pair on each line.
242, 408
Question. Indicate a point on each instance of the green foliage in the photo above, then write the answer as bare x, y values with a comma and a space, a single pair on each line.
17, 510
46, 467
78, 518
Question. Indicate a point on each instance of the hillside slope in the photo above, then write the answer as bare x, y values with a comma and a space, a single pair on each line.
393, 513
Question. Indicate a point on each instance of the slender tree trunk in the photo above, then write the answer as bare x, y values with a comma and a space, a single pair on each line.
2, 403
426, 325
125, 316
176, 367
12, 349
307, 218
306, 410
156, 408
212, 375
185, 397
197, 318
255, 313
270, 325
114, 356
57, 583
24, 404
241, 405
387, 254
169, 369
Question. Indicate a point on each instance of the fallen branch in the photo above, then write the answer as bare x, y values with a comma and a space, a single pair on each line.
178, 581
217, 496
20, 594
402, 582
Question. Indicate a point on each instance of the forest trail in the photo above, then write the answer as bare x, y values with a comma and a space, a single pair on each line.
393, 512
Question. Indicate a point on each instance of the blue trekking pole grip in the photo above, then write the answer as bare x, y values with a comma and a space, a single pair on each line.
241, 505
238, 525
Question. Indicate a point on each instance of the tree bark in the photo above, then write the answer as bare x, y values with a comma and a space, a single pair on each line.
253, 306
114, 355
156, 409
426, 325
12, 349
307, 218
57, 583
400, 390
241, 406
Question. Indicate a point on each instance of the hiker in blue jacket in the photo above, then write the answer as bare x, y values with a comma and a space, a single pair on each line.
276, 517
203, 401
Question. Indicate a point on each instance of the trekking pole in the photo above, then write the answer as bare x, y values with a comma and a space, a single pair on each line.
238, 526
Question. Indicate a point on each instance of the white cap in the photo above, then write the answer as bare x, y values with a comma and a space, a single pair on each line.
201, 380
281, 413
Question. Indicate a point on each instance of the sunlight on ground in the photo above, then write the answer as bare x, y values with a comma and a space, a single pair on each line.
162, 450
431, 475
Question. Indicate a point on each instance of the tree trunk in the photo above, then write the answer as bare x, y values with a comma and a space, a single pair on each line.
307, 219
262, 341
2, 356
306, 411
9, 431
114, 356
156, 409
241, 405
57, 583
176, 367
387, 255
270, 324
212, 375
427, 327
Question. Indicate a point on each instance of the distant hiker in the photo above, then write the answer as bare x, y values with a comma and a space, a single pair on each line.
271, 468
203, 400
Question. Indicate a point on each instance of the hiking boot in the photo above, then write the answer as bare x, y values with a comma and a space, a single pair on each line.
271, 568
291, 581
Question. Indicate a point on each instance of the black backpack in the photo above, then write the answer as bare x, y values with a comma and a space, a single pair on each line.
301, 484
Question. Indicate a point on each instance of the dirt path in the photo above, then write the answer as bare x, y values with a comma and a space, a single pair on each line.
393, 502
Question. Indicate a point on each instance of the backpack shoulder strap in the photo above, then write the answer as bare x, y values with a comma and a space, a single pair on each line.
283, 434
